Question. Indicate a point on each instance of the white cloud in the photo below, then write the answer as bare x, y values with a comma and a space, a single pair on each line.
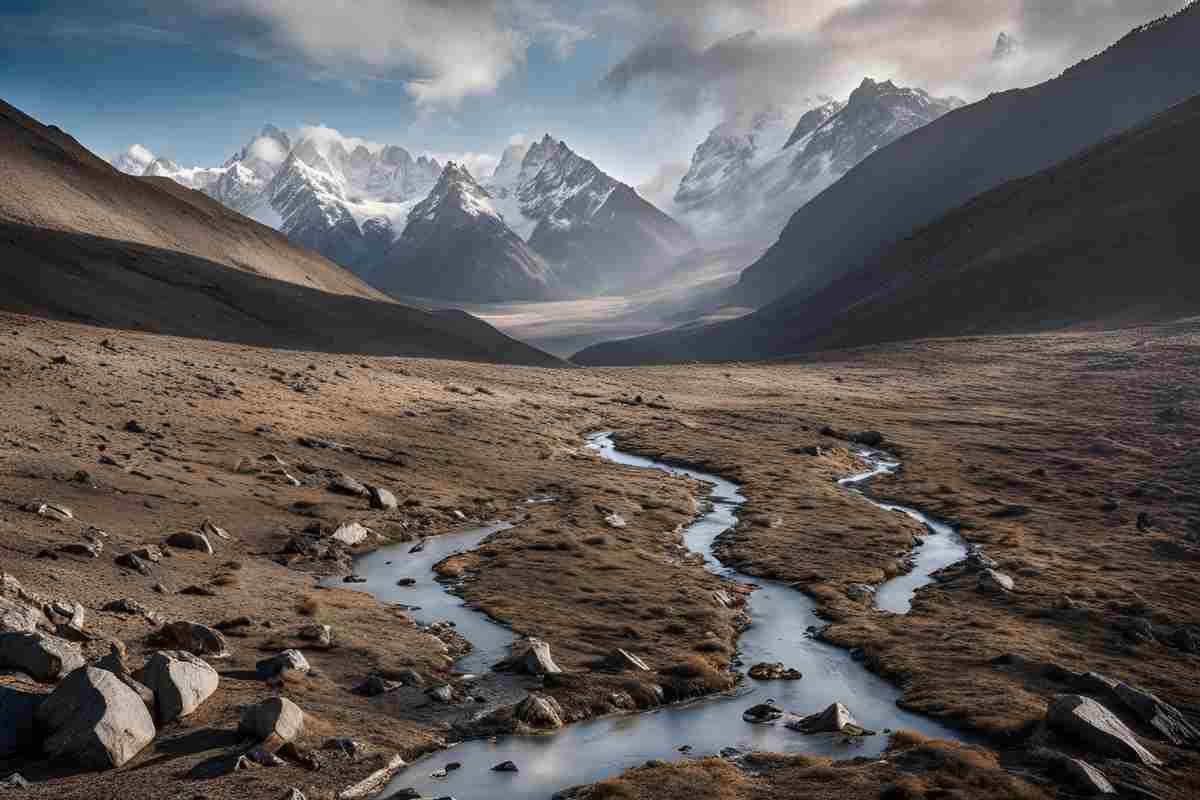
267, 149
323, 136
480, 165
140, 153
518, 139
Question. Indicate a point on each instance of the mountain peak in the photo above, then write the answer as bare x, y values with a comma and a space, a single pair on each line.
1006, 47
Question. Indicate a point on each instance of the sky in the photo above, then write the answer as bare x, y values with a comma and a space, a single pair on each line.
635, 85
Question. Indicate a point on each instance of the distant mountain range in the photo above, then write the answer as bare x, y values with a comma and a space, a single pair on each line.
754, 171
554, 217
83, 242
897, 248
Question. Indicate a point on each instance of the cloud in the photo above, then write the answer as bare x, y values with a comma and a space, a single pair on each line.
324, 136
745, 54
441, 52
267, 149
518, 139
140, 153
660, 188
480, 165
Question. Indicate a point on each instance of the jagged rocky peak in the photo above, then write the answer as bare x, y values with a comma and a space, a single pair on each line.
456, 191
1006, 47
509, 168
813, 119
134, 160
161, 167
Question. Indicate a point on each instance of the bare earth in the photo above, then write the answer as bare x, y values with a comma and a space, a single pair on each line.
1044, 449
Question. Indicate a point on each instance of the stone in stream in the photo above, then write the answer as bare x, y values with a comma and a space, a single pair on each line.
834, 719
382, 499
94, 720
993, 582
17, 731
763, 712
282, 666
197, 639
1163, 717
764, 671
1092, 725
273, 717
180, 682
505, 766
536, 660
190, 540
539, 711
47, 658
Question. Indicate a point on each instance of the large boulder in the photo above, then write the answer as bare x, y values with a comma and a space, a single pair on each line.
1163, 717
47, 658
1094, 726
536, 660
539, 711
273, 717
762, 713
282, 666
834, 719
180, 682
195, 638
18, 617
17, 732
95, 720
190, 540
115, 663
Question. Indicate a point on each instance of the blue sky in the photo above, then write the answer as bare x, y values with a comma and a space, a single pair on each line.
633, 84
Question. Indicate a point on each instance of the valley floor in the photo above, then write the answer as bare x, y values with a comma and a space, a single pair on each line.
1068, 458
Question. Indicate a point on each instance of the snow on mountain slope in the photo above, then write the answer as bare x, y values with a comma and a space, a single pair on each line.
751, 173
596, 231
134, 160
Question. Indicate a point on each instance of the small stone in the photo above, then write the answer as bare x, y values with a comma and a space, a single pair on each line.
84, 549
383, 499
615, 520
374, 686
195, 638
764, 671
344, 484
133, 426
282, 666
320, 635
190, 540
505, 766
993, 582
275, 716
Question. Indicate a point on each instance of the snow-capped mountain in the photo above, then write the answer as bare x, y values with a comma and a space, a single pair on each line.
456, 246
594, 231
348, 206
753, 172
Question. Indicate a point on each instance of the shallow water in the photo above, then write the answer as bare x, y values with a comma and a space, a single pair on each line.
589, 751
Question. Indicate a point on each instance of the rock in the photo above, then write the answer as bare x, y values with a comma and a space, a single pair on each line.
537, 659
539, 711
62, 614
723, 599
83, 549
354, 579
418, 547
1094, 726
148, 552
125, 605
320, 635
15, 781
52, 510
834, 719
47, 658
17, 731
130, 561
625, 661
867, 438
615, 520
1084, 777
114, 662
195, 638
407, 582
1184, 640
761, 713
505, 766
860, 592
993, 582
95, 720
190, 540
264, 757
374, 686
382, 499
410, 677
1145, 522
133, 426
375, 781
281, 666
275, 716
1163, 717
344, 484
764, 671
210, 528
350, 534
17, 617
180, 682
442, 693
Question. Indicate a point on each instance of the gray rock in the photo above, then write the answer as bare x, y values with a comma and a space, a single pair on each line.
210, 528
978, 561
344, 484
539, 711
190, 540
767, 671
761, 713
537, 659
82, 549
95, 720
284, 665
860, 592
1094, 726
383, 499
320, 635
47, 658
275, 716
374, 686
18, 617
114, 662
1084, 777
1163, 717
61, 613
180, 682
350, 533
17, 731
195, 638
505, 766
148, 552
994, 582
834, 719
133, 562
442, 693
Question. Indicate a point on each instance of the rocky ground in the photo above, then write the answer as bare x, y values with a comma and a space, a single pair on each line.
1067, 459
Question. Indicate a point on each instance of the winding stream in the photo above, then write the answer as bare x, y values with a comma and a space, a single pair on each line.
588, 751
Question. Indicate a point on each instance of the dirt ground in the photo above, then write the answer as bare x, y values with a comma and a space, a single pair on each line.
1044, 449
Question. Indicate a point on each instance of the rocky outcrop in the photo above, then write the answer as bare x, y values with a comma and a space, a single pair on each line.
536, 660
47, 658
539, 711
180, 682
195, 638
1162, 717
1094, 726
94, 720
834, 719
